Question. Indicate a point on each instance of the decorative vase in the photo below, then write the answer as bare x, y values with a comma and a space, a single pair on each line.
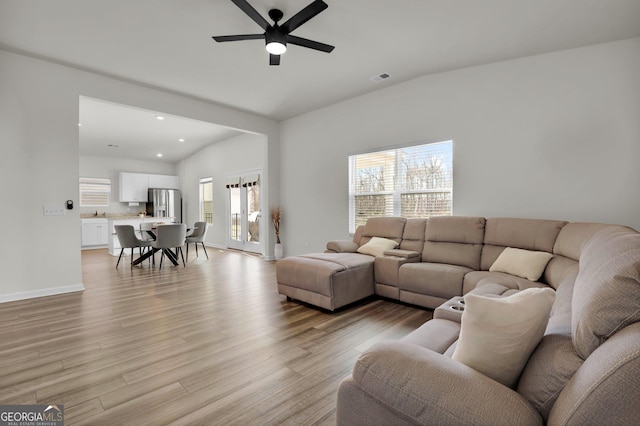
279, 251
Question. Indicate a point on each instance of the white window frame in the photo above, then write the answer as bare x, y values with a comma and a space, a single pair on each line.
95, 192
201, 201
391, 176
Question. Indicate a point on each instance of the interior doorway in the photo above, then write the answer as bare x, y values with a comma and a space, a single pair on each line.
244, 217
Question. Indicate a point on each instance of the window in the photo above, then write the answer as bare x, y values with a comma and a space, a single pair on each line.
412, 181
95, 192
206, 200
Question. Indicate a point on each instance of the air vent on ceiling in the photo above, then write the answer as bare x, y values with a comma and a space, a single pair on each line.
378, 78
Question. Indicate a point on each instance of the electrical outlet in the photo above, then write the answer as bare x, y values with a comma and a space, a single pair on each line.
54, 210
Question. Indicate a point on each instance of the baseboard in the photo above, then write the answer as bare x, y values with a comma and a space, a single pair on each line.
224, 247
24, 295
217, 246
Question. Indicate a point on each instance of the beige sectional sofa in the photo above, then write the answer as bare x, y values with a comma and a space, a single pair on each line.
583, 368
435, 260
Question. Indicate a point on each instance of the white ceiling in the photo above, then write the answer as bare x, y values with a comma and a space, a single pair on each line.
167, 43
115, 130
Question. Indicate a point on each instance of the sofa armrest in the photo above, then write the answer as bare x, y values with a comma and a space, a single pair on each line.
430, 388
342, 246
406, 254
386, 268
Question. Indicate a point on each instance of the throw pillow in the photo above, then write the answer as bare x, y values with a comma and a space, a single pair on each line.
498, 334
377, 246
522, 263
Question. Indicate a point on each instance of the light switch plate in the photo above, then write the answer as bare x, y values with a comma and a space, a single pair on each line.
54, 210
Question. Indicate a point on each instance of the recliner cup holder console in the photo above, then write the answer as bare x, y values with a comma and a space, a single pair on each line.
452, 309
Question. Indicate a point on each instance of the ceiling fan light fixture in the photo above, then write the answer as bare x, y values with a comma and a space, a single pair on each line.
276, 48
276, 41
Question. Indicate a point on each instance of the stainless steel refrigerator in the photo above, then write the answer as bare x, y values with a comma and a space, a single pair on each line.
165, 203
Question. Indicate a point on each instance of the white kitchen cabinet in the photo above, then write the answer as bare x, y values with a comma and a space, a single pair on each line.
163, 181
95, 232
133, 187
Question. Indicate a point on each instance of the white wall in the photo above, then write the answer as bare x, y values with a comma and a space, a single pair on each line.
39, 164
240, 153
549, 136
110, 167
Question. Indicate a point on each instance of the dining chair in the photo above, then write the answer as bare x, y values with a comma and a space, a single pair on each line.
170, 236
128, 239
197, 236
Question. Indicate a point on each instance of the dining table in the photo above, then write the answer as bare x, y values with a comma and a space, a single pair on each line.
171, 255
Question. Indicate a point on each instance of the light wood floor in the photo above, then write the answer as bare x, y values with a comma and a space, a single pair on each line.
209, 344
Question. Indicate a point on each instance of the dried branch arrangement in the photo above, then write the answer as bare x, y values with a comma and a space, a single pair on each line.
276, 216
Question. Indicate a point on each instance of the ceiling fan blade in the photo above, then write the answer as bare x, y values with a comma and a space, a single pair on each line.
304, 15
252, 13
274, 59
220, 39
309, 43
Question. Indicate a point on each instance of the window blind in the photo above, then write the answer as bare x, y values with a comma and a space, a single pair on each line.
233, 181
412, 181
95, 192
251, 180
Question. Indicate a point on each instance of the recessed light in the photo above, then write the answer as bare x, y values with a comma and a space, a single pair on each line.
159, 155
180, 140
79, 124
159, 117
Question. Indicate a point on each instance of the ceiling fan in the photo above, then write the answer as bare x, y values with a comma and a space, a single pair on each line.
277, 36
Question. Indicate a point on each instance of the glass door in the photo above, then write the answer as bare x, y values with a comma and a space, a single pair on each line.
244, 215
235, 219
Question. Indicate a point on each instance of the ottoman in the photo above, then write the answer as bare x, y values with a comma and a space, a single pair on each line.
326, 280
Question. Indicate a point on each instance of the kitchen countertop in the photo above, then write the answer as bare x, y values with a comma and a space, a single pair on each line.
113, 216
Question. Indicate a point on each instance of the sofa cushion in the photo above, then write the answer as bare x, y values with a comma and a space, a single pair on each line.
549, 368
377, 246
475, 279
456, 240
455, 229
558, 270
560, 317
606, 296
522, 263
498, 334
385, 227
467, 255
433, 279
528, 234
436, 335
573, 236
413, 235
566, 250
314, 272
342, 246
490, 288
